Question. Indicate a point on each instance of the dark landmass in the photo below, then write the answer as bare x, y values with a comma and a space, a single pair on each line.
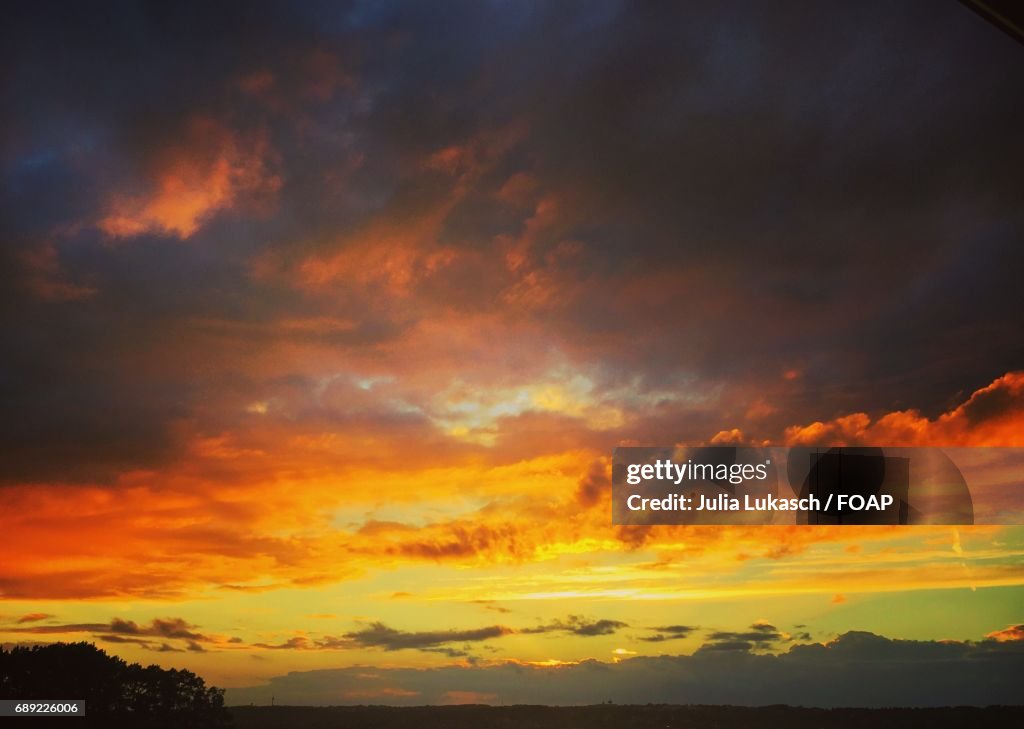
609, 716
117, 694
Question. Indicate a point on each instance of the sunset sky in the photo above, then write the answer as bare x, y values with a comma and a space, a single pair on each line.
320, 321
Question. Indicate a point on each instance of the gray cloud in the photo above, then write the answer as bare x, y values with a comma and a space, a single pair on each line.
668, 632
379, 635
162, 627
578, 625
382, 636
119, 630
759, 635
856, 669
832, 190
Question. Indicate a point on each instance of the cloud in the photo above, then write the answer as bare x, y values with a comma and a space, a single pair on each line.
579, 625
668, 632
856, 669
596, 483
58, 629
298, 642
33, 617
46, 279
206, 174
224, 522
491, 214
1010, 633
379, 635
992, 416
123, 631
162, 627
760, 636
405, 271
148, 645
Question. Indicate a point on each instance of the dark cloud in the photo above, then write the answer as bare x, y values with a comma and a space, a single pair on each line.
854, 670
141, 642
379, 635
119, 630
578, 625
297, 643
668, 632
705, 197
129, 627
676, 629
452, 643
57, 629
728, 644
760, 635
595, 484
162, 627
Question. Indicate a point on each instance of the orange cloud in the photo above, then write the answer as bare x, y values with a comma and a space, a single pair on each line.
34, 617
991, 416
725, 437
278, 502
401, 253
235, 517
209, 171
1008, 634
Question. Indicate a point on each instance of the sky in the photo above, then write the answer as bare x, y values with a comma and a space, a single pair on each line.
319, 324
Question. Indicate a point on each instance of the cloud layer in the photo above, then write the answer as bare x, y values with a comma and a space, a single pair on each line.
857, 669
314, 304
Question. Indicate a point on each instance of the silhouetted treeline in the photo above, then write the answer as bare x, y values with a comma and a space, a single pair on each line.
606, 716
116, 693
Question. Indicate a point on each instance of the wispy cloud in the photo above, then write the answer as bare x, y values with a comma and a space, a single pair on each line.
579, 625
669, 632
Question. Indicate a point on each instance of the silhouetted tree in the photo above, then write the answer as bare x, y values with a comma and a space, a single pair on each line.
116, 693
